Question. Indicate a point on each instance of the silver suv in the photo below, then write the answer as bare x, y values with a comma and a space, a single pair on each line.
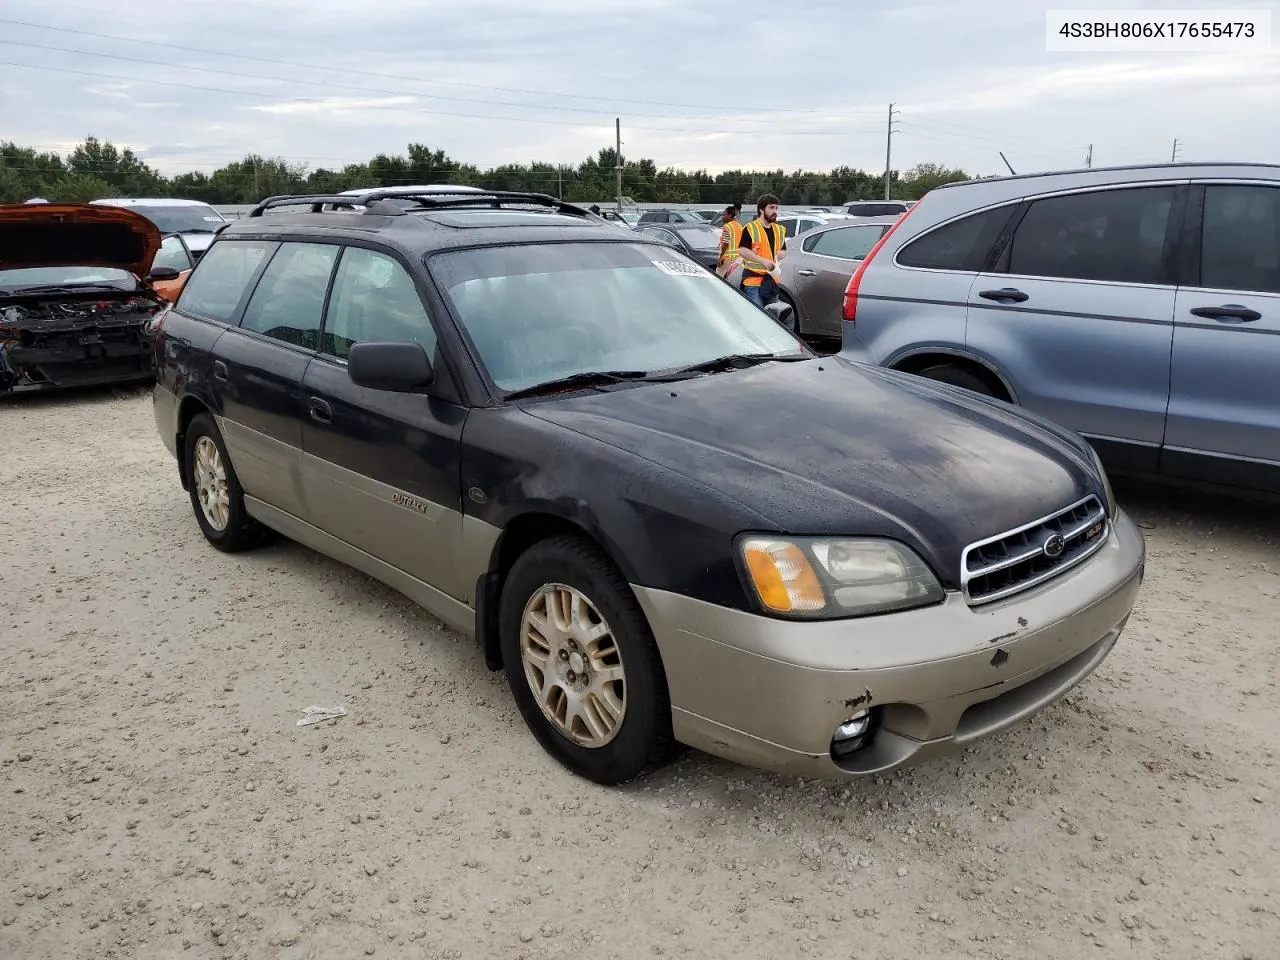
1139, 306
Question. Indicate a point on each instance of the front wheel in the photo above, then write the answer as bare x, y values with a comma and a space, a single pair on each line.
959, 377
582, 664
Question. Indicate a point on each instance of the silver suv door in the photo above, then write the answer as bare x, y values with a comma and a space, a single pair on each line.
1224, 408
1077, 313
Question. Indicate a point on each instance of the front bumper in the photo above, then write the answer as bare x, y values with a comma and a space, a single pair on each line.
117, 355
769, 693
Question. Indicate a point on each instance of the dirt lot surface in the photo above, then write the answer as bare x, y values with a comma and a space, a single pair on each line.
159, 800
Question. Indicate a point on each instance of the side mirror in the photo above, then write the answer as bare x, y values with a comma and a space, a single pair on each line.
164, 273
782, 313
401, 366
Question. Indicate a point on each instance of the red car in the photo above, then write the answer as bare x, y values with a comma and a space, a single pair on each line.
78, 290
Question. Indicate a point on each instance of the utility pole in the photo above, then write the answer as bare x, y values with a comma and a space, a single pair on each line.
1088, 160
618, 158
1174, 157
888, 151
560, 180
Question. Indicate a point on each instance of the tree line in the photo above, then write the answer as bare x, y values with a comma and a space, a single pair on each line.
97, 169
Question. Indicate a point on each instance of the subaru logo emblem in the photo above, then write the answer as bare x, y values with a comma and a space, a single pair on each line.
1054, 546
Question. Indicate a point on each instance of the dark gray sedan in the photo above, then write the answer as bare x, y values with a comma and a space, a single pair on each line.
817, 269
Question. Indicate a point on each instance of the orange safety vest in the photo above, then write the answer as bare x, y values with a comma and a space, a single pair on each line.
752, 276
735, 237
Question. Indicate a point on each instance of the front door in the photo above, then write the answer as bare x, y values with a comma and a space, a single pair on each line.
382, 469
1078, 315
1224, 408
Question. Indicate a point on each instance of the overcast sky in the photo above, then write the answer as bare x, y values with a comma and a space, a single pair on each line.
197, 83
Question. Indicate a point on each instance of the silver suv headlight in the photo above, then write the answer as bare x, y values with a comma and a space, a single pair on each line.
823, 578
1106, 484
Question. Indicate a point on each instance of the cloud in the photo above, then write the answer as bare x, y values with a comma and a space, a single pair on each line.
696, 84
332, 105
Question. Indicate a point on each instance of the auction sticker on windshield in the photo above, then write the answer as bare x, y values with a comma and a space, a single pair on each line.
677, 269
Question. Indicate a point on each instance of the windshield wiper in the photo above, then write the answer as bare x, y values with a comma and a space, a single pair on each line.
588, 378
58, 288
737, 361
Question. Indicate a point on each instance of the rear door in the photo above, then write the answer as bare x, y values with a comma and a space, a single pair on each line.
1078, 314
829, 259
258, 368
1224, 407
382, 469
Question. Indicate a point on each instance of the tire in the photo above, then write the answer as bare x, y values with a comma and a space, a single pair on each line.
229, 528
640, 739
960, 377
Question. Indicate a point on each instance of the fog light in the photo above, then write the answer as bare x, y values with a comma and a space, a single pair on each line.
851, 736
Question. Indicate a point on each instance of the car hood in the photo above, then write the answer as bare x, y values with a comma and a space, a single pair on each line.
76, 235
829, 446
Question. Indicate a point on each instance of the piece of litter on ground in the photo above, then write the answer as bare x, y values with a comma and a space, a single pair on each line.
319, 714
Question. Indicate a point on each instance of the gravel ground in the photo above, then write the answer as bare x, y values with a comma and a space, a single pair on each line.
159, 801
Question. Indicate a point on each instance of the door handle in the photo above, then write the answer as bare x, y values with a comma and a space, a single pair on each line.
321, 411
804, 273
1007, 293
1228, 313
219, 370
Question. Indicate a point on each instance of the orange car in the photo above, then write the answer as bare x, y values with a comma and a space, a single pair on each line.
79, 286
174, 254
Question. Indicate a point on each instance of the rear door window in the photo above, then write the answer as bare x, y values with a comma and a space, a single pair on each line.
959, 245
1116, 236
218, 284
289, 299
1240, 242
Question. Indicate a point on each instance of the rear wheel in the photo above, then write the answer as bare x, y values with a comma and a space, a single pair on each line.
582, 664
216, 496
960, 377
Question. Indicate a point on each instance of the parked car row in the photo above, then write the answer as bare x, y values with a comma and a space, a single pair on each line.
662, 515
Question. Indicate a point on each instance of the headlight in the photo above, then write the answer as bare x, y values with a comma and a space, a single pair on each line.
826, 578
1106, 484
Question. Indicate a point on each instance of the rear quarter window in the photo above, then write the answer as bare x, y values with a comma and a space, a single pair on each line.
959, 245
217, 285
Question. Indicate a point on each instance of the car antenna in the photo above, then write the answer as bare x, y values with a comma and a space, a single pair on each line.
1006, 163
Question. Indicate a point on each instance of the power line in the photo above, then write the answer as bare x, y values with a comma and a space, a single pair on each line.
441, 113
346, 86
387, 76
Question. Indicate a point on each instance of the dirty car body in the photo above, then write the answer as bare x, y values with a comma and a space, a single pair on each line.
75, 296
796, 562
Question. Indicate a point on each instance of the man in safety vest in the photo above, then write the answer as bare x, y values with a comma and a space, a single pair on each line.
762, 246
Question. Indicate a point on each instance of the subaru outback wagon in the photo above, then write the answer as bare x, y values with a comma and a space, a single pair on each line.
658, 511
1138, 306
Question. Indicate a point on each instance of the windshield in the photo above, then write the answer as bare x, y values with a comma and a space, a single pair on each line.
701, 239
183, 219
66, 276
541, 312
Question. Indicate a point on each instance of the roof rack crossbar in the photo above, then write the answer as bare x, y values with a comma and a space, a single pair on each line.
489, 198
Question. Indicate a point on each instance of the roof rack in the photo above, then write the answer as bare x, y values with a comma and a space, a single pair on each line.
368, 199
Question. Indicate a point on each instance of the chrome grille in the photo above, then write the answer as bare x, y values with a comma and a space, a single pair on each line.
1019, 559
